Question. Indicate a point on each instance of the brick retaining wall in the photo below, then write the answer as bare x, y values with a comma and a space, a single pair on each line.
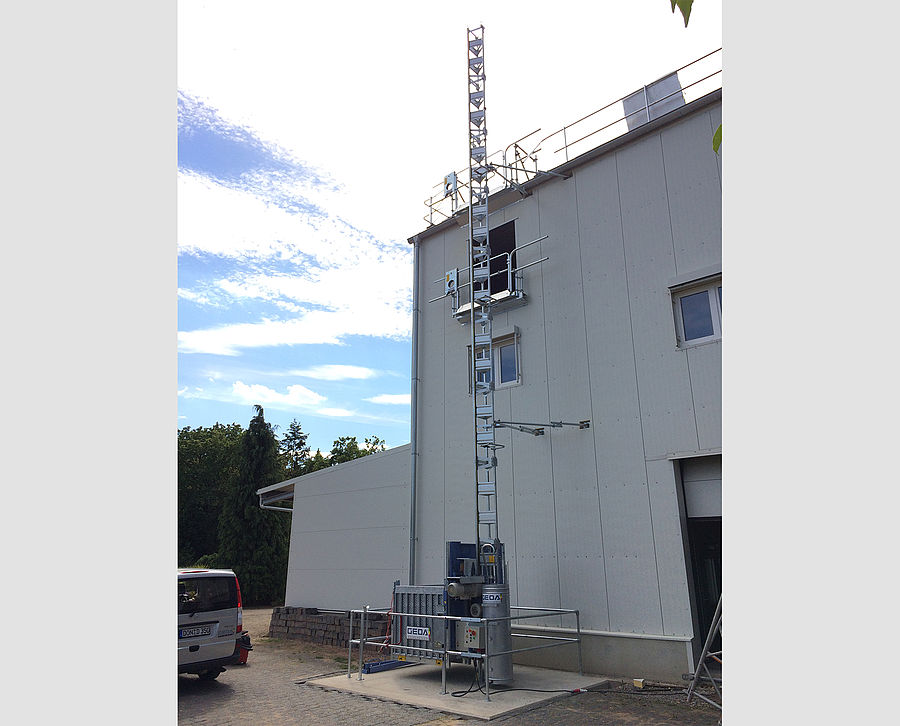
329, 628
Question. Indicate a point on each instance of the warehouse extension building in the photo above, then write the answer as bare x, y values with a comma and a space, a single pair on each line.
608, 285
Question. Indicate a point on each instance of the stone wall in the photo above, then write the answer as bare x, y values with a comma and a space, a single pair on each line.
324, 628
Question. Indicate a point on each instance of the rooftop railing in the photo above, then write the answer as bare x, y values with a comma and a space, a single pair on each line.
532, 155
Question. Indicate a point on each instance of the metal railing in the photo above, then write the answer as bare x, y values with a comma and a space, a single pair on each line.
365, 640
519, 161
509, 279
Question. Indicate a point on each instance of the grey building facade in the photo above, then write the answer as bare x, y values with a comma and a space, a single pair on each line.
620, 325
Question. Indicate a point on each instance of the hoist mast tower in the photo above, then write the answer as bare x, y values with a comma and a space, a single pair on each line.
480, 317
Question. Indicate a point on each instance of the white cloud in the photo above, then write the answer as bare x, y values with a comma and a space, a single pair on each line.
197, 297
235, 223
336, 412
315, 327
296, 396
357, 285
399, 399
335, 372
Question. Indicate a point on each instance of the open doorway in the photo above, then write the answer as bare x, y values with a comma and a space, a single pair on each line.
503, 244
702, 481
705, 541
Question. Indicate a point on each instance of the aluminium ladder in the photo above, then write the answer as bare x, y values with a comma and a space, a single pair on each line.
480, 314
702, 671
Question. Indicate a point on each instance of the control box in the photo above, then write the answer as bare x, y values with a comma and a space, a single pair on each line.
469, 636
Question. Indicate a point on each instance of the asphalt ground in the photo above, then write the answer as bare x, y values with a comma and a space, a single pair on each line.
273, 689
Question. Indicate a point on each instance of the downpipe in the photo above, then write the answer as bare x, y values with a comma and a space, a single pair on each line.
414, 390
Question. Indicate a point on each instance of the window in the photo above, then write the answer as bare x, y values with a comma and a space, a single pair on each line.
201, 594
506, 362
698, 312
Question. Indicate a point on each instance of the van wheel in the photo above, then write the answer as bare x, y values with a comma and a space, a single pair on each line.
209, 675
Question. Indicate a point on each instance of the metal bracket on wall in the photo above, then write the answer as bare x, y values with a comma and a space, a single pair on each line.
537, 429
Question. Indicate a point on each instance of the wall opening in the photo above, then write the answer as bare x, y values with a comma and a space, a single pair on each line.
701, 478
705, 542
503, 243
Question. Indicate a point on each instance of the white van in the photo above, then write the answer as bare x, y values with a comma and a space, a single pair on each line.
210, 620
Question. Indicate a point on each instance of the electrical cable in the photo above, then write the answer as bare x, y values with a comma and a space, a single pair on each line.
460, 694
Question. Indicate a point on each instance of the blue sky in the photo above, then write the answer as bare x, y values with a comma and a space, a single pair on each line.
306, 146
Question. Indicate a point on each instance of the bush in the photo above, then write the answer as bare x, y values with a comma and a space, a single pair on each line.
208, 562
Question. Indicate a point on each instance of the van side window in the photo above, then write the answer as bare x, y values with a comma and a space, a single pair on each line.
206, 593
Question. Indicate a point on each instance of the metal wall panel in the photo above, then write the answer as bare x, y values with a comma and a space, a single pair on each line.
343, 589
620, 473
668, 538
349, 532
433, 325
705, 366
533, 572
666, 408
694, 193
575, 492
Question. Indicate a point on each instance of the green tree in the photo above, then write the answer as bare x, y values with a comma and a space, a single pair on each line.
346, 448
207, 462
294, 451
316, 462
252, 541
374, 444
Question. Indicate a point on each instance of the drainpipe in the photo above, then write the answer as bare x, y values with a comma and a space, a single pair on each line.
414, 375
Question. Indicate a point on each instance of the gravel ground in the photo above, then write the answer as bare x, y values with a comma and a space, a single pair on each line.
268, 690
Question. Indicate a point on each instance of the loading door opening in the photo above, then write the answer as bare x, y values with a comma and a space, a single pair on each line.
705, 540
702, 481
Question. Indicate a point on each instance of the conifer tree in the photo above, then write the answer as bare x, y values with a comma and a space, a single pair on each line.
252, 541
294, 451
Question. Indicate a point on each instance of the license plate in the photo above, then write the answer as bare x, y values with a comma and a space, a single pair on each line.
195, 631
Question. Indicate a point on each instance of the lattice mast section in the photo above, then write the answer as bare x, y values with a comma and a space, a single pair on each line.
485, 459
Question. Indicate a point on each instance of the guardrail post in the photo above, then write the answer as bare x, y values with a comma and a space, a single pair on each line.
578, 628
350, 645
362, 637
444, 659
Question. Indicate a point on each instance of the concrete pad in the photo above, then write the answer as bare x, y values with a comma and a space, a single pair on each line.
420, 685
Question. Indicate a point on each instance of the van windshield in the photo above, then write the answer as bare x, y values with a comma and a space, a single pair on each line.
196, 594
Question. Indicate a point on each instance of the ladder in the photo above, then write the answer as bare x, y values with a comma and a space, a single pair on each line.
702, 671
480, 316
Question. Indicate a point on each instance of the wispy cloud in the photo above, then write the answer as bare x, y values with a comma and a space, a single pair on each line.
265, 211
315, 327
199, 298
398, 399
335, 372
234, 156
335, 412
